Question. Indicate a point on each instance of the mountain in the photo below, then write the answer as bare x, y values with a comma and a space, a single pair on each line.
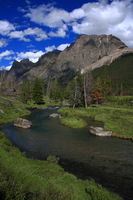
88, 52
18, 69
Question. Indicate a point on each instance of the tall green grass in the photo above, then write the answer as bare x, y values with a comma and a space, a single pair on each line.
120, 100
73, 122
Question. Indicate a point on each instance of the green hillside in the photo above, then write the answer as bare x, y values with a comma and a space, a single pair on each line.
120, 72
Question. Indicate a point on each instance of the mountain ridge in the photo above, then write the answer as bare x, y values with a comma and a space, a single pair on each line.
87, 53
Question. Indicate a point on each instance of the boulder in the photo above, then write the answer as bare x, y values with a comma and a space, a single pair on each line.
55, 115
1, 111
22, 123
99, 131
131, 102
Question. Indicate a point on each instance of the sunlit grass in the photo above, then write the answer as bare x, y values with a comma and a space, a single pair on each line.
73, 122
117, 119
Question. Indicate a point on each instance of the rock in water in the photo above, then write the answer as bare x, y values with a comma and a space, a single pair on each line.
22, 123
55, 115
1, 111
99, 131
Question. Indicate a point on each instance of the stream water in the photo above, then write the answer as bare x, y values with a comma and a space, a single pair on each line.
108, 160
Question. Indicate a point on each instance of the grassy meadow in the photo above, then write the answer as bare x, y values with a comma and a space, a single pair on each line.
10, 109
117, 118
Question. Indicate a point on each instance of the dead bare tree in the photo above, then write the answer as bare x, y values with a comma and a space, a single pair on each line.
88, 81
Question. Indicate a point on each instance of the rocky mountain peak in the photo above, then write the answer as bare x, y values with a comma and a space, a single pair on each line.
48, 56
86, 53
90, 49
106, 43
18, 69
25, 61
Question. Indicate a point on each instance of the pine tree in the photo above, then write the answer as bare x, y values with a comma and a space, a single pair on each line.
103, 85
26, 91
37, 91
56, 90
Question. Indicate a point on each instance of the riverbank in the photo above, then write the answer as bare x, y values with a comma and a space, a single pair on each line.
117, 119
10, 109
24, 178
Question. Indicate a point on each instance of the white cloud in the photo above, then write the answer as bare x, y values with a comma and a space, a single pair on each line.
19, 34
6, 27
77, 13
8, 58
8, 67
3, 43
62, 47
37, 33
5, 54
103, 18
50, 48
48, 15
61, 32
32, 56
92, 18
51, 17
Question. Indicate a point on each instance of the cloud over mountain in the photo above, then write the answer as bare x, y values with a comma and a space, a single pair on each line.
92, 18
49, 27
32, 56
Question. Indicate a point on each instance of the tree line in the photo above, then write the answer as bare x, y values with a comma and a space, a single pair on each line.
82, 90
32, 91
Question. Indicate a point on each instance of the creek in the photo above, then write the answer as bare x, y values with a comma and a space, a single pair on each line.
107, 160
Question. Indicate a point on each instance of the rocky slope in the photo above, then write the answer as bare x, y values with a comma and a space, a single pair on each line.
18, 69
88, 52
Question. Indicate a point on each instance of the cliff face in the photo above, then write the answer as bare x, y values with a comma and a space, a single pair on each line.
44, 67
18, 69
86, 53
87, 50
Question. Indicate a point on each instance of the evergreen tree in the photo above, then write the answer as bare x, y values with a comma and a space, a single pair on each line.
37, 91
26, 91
56, 90
103, 85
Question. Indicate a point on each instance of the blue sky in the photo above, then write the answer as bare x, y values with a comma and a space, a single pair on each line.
30, 28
